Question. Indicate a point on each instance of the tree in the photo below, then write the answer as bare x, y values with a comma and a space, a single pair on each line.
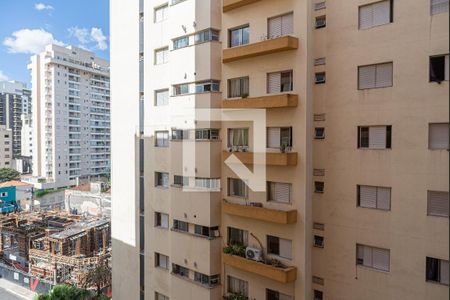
100, 277
7, 174
65, 292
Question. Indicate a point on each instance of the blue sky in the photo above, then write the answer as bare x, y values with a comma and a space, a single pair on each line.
26, 26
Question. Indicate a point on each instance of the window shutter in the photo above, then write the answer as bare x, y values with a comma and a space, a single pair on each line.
438, 203
365, 17
164, 221
282, 192
380, 259
367, 256
377, 137
287, 22
381, 13
383, 75
273, 137
384, 198
368, 196
446, 67
439, 6
275, 27
366, 77
438, 136
444, 272
286, 248
274, 83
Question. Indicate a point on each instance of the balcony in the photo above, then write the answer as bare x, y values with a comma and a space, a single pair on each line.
283, 275
233, 4
260, 213
272, 158
281, 44
272, 101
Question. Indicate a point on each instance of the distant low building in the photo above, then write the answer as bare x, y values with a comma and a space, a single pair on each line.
89, 199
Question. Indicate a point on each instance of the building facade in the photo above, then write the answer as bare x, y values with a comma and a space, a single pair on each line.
5, 147
71, 115
354, 203
15, 102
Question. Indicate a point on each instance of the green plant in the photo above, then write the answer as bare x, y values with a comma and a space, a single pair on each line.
236, 297
65, 292
7, 174
235, 249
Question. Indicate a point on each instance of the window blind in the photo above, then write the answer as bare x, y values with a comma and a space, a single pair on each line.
439, 6
377, 137
274, 83
375, 14
367, 76
285, 248
273, 137
438, 204
438, 136
368, 196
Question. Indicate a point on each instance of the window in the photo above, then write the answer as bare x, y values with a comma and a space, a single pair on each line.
181, 89
161, 138
437, 270
179, 134
162, 97
239, 36
180, 180
437, 204
161, 13
274, 295
3, 194
372, 257
374, 137
320, 78
319, 241
375, 14
280, 247
237, 286
161, 179
238, 137
180, 271
279, 137
237, 236
374, 197
375, 76
181, 42
320, 61
237, 188
438, 136
279, 82
321, 22
439, 6
209, 281
319, 187
210, 232
159, 296
180, 225
161, 56
318, 295
319, 133
207, 183
439, 68
281, 26
161, 261
238, 87
206, 36
279, 192
161, 220
206, 134
207, 86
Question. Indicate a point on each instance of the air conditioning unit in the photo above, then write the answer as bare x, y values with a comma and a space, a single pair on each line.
253, 253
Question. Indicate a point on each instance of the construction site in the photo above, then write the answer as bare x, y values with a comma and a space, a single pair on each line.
54, 246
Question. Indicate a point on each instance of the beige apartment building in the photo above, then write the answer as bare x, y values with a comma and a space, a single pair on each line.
355, 139
5, 147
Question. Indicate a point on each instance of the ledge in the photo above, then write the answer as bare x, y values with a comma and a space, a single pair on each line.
271, 101
280, 44
272, 158
260, 213
233, 4
283, 275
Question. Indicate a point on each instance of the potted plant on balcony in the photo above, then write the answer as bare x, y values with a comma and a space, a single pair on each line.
236, 297
235, 249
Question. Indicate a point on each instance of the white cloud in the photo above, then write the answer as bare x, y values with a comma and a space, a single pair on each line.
87, 36
3, 76
30, 41
42, 6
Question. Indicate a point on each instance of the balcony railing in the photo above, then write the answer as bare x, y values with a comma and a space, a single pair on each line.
283, 275
271, 101
272, 158
260, 213
233, 4
266, 47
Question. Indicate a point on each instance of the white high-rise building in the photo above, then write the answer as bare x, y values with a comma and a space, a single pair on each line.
71, 115
5, 147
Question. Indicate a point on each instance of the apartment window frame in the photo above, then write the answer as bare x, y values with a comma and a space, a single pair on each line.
237, 236
162, 180
206, 36
441, 74
159, 261
164, 8
391, 14
319, 241
273, 188
180, 134
243, 86
376, 85
162, 139
236, 286
370, 265
286, 83
286, 25
240, 184
319, 187
438, 196
159, 296
244, 36
207, 134
164, 100
181, 181
432, 144
181, 42
276, 295
165, 56
205, 231
318, 295
378, 206
438, 8
319, 133
209, 281
285, 140
320, 78
208, 86
364, 137
180, 226
180, 270
162, 220
275, 247
241, 141
434, 269
320, 22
